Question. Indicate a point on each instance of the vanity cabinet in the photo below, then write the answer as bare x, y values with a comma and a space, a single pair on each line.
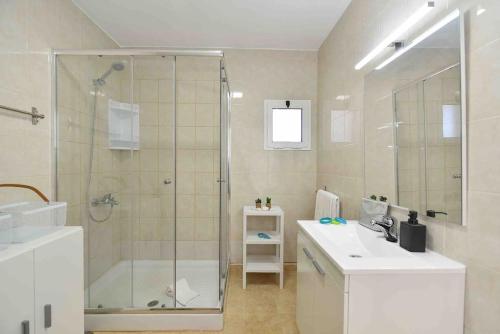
17, 299
369, 295
41, 285
320, 291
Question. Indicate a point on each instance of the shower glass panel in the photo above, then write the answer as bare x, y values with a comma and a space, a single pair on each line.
142, 158
198, 173
225, 99
154, 173
90, 169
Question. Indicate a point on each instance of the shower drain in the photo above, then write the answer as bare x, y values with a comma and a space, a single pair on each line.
355, 255
153, 303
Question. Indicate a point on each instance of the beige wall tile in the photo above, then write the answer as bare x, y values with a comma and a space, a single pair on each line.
186, 91
288, 177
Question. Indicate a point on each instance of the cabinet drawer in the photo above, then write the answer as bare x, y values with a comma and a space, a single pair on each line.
330, 269
322, 263
16, 293
320, 291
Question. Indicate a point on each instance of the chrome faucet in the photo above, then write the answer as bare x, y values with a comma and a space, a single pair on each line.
107, 199
387, 225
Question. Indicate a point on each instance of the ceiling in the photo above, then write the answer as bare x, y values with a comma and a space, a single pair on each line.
254, 24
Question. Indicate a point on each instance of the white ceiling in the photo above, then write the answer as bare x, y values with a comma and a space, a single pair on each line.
268, 24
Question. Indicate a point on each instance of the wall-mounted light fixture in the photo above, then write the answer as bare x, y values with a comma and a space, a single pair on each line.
447, 19
396, 34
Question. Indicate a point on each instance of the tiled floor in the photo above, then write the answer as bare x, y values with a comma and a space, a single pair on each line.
260, 309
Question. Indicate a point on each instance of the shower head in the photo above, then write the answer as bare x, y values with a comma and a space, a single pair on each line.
118, 66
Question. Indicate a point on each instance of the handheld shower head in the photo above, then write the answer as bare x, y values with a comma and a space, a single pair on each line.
117, 66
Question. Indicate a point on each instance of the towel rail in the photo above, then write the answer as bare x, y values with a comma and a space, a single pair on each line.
35, 115
322, 188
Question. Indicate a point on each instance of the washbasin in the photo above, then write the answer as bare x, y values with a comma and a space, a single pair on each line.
354, 240
26, 221
354, 248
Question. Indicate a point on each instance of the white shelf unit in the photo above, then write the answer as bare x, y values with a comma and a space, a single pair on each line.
123, 125
263, 263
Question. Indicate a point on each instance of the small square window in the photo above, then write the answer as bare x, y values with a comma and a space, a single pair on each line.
287, 126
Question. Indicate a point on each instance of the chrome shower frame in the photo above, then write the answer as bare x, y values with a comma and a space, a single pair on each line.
54, 159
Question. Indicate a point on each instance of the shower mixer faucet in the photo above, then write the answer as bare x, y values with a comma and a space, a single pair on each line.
107, 199
387, 223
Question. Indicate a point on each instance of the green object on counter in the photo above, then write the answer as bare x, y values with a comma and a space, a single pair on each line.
325, 220
340, 220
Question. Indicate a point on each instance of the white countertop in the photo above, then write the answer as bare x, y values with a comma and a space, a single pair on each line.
20, 248
339, 242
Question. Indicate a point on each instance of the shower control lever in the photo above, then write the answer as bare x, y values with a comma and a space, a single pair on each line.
107, 199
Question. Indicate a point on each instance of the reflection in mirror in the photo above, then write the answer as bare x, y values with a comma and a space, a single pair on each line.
413, 122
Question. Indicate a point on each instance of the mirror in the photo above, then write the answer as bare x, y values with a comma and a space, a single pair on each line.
414, 132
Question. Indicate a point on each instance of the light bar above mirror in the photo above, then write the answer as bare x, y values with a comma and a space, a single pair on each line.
396, 34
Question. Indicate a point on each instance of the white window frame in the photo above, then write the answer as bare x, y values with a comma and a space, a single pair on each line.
305, 144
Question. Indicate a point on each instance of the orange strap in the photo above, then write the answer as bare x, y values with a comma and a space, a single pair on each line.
17, 185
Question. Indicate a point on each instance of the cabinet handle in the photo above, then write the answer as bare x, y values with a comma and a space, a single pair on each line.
308, 253
318, 268
25, 325
47, 311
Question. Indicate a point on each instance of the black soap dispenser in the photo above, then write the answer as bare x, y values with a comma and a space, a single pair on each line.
412, 235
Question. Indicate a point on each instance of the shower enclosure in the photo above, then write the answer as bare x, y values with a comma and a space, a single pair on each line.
141, 147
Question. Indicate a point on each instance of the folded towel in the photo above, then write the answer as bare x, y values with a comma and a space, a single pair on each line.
184, 293
327, 205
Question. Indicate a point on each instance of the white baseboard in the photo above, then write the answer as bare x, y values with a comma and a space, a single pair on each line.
153, 322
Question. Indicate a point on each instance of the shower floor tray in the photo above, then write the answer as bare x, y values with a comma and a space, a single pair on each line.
125, 287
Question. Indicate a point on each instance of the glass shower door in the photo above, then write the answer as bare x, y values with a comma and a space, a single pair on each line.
224, 185
93, 101
197, 173
154, 224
